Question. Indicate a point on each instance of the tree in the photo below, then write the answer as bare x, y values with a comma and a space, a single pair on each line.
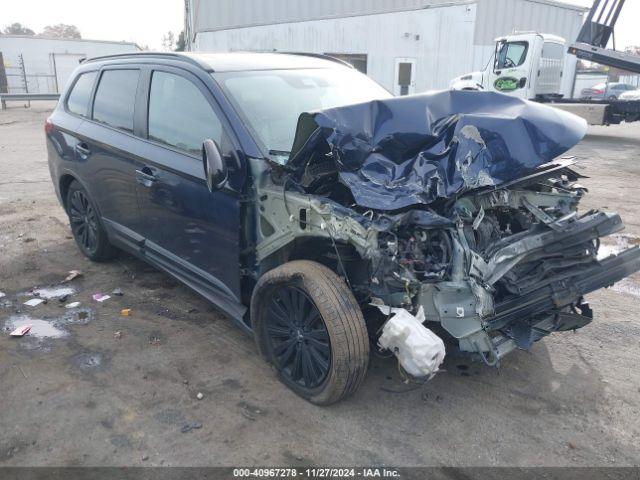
61, 30
168, 41
18, 29
181, 44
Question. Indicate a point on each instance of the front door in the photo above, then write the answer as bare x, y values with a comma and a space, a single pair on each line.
188, 230
511, 68
405, 76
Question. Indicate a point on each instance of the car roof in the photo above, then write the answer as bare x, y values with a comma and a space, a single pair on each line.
237, 61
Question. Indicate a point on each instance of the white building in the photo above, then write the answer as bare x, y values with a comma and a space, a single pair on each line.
43, 65
406, 45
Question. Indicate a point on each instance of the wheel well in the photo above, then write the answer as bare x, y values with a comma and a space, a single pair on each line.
323, 251
65, 181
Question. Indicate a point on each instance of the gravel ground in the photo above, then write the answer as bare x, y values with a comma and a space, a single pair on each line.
104, 389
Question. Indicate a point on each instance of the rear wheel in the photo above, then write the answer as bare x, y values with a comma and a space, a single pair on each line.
86, 226
308, 325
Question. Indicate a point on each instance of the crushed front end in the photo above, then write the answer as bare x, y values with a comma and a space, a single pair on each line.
452, 205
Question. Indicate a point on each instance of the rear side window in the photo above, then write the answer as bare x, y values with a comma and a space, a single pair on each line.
179, 114
115, 98
78, 99
553, 51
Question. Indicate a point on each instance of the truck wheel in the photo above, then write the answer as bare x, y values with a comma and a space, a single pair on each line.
308, 325
86, 226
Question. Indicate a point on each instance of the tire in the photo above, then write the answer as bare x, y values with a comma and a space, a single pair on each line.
86, 226
341, 351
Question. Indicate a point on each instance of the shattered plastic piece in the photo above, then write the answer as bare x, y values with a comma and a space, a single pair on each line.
34, 301
72, 274
403, 151
117, 335
100, 297
21, 331
419, 350
125, 312
200, 396
72, 305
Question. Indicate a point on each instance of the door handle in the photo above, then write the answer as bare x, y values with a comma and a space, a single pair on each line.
83, 150
145, 176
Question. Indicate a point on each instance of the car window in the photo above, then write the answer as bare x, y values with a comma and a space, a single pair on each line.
78, 99
179, 114
115, 98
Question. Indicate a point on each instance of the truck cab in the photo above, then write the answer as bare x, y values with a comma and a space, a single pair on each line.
526, 65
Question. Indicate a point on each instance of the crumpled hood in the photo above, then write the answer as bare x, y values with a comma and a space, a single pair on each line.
411, 150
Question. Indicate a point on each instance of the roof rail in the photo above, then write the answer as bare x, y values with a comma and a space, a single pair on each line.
318, 55
116, 56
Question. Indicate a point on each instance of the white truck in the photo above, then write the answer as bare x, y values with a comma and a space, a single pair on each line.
530, 65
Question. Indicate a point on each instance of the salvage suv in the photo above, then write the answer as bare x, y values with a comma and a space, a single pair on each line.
327, 217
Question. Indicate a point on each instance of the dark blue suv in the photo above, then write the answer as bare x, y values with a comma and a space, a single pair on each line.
295, 194
125, 149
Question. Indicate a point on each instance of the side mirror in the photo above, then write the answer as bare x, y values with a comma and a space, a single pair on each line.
215, 170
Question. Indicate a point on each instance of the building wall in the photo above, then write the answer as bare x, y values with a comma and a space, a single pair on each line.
445, 48
211, 15
438, 38
49, 62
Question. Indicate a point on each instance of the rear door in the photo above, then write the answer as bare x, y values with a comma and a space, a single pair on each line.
188, 230
110, 148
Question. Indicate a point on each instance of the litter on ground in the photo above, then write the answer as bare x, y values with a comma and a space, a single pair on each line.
33, 302
101, 297
72, 274
21, 331
125, 312
72, 305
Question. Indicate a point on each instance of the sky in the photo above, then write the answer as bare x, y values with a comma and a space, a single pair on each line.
146, 21
141, 21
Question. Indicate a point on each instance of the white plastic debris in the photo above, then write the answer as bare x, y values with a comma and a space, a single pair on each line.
100, 297
2, 294
72, 305
419, 350
33, 302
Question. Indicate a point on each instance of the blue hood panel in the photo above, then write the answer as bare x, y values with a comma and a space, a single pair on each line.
413, 150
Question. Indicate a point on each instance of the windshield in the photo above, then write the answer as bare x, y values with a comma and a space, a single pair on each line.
270, 101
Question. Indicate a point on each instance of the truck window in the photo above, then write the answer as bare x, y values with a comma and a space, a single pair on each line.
554, 51
115, 98
78, 100
512, 54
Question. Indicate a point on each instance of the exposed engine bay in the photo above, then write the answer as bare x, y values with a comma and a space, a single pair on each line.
451, 205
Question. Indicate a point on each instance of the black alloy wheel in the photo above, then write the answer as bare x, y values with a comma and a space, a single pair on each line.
86, 226
84, 221
308, 325
298, 337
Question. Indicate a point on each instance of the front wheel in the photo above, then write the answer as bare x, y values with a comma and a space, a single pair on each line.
308, 325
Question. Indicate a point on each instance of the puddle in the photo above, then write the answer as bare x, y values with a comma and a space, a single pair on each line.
39, 328
88, 361
615, 244
44, 328
53, 292
628, 286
